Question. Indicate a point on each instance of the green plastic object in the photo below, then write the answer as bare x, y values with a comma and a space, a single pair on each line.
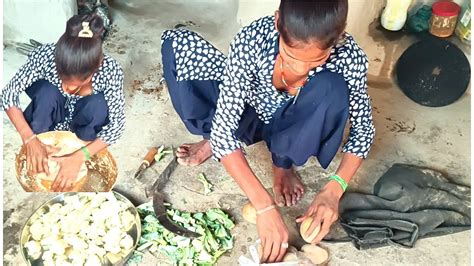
420, 21
463, 28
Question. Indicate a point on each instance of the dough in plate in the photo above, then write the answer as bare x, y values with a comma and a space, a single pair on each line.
47, 180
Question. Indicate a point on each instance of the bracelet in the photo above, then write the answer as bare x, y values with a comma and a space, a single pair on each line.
339, 180
28, 140
271, 207
86, 152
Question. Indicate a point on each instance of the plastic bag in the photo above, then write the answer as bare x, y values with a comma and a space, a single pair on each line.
255, 260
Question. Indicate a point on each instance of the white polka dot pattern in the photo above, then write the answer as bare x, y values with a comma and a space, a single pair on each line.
108, 79
246, 76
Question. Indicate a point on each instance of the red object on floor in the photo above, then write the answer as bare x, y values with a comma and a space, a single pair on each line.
446, 8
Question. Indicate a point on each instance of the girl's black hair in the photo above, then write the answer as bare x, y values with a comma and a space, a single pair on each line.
79, 57
320, 21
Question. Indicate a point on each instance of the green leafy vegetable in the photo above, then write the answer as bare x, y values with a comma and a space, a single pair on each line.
161, 153
207, 185
135, 259
214, 225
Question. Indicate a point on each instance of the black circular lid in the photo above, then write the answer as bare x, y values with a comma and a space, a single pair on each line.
433, 72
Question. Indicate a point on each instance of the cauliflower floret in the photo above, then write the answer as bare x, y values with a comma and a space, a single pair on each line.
54, 229
99, 241
126, 242
113, 248
75, 241
48, 241
58, 247
65, 210
96, 229
77, 257
33, 248
113, 222
83, 214
73, 200
98, 199
95, 249
123, 205
127, 219
55, 218
47, 229
111, 197
85, 229
112, 240
114, 258
113, 236
98, 215
51, 217
93, 261
62, 260
108, 209
70, 225
37, 230
55, 207
48, 257
101, 231
86, 197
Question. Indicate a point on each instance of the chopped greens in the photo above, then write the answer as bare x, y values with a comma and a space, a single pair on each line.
207, 185
161, 153
214, 225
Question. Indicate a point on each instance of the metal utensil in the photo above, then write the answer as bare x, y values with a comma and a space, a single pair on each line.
147, 161
159, 200
162, 216
102, 169
134, 232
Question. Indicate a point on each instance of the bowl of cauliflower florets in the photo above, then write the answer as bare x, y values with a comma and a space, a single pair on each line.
81, 229
98, 174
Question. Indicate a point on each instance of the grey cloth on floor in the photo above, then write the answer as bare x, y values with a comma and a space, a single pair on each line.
409, 202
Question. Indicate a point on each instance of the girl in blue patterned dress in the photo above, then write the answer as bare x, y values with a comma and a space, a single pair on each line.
73, 86
292, 80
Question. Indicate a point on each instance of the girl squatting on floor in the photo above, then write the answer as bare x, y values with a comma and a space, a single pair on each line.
73, 86
292, 80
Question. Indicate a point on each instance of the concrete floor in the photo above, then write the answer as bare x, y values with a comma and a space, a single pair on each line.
406, 133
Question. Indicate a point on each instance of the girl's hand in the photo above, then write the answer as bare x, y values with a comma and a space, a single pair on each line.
37, 154
69, 166
324, 209
273, 236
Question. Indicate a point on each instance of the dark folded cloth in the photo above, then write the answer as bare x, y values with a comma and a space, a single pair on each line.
408, 203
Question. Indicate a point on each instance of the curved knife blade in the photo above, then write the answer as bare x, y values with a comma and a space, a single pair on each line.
159, 200
160, 212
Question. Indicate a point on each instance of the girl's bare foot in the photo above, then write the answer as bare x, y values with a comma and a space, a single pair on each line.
287, 186
193, 154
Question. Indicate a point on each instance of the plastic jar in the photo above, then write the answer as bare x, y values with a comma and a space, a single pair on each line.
395, 14
444, 17
463, 29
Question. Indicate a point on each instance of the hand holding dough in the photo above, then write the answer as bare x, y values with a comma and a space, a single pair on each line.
54, 167
305, 225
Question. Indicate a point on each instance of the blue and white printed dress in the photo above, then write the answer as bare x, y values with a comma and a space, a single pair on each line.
50, 104
231, 100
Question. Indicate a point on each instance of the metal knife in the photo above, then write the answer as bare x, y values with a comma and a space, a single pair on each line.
159, 200
147, 161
